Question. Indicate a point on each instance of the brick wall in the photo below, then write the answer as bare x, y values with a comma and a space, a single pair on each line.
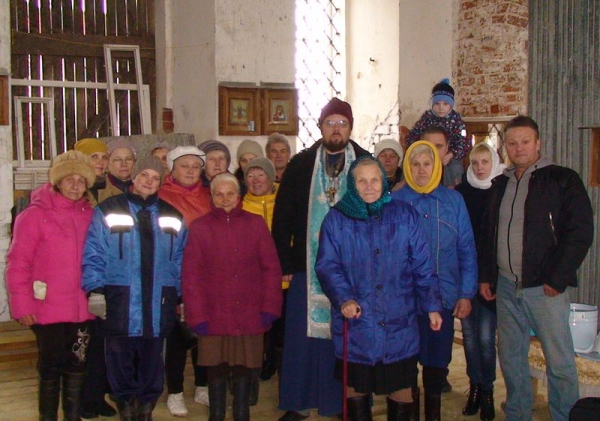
490, 58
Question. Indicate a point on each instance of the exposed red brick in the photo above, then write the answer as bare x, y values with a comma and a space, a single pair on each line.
496, 19
510, 88
468, 5
495, 109
502, 7
517, 21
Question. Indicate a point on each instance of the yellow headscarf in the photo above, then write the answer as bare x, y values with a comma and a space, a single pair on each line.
436, 175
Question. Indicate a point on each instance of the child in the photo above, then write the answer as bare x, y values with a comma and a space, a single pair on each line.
442, 115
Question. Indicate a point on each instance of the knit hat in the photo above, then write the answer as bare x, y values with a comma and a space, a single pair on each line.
90, 146
443, 92
180, 151
337, 106
121, 143
249, 146
69, 163
264, 163
148, 163
214, 145
389, 144
161, 145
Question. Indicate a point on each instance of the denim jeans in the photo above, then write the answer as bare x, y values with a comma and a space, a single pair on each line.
520, 310
479, 341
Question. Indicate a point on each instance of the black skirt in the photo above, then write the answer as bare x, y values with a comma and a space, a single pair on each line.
381, 379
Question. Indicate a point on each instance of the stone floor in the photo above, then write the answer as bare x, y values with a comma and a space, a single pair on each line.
18, 398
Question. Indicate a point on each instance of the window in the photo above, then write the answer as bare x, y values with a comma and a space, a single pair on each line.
320, 61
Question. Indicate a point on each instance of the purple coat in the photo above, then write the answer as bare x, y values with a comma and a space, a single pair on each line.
231, 278
47, 246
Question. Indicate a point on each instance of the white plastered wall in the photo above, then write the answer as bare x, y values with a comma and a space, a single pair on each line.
203, 43
425, 45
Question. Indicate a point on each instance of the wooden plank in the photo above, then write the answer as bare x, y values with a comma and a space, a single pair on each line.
68, 45
121, 11
111, 18
68, 24
149, 5
11, 326
133, 27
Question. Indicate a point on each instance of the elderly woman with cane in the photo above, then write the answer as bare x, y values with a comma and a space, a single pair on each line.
374, 265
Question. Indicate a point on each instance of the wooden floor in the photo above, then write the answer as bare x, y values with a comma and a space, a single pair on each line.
18, 397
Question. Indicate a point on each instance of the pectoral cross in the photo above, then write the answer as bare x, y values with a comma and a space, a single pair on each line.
332, 190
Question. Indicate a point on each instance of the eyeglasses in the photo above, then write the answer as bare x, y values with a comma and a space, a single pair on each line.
119, 161
332, 123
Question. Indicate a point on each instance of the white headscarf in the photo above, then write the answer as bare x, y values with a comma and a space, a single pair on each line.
497, 168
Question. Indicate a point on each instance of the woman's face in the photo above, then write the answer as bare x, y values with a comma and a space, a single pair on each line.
421, 167
120, 163
245, 160
225, 195
72, 187
186, 170
482, 164
368, 182
99, 162
258, 182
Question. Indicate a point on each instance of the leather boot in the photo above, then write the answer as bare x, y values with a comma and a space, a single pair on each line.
71, 395
415, 413
398, 411
217, 395
359, 408
433, 406
144, 411
49, 396
241, 396
487, 413
127, 409
472, 406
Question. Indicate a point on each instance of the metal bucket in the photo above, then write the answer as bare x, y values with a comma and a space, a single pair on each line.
583, 320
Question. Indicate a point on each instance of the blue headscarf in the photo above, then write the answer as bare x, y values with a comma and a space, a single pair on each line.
352, 205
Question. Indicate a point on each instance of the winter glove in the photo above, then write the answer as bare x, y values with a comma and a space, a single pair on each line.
97, 305
201, 328
267, 319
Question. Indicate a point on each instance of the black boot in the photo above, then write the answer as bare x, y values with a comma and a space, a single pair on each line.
241, 397
359, 408
127, 409
472, 406
254, 387
144, 411
49, 396
71, 394
415, 413
433, 406
217, 395
487, 413
398, 411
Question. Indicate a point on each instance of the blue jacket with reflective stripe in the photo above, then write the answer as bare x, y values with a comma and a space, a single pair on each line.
112, 265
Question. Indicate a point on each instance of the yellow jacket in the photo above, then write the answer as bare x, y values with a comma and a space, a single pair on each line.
261, 205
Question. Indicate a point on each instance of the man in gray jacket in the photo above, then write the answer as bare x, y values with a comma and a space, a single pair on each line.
537, 229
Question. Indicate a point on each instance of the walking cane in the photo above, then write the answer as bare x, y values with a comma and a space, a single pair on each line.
345, 372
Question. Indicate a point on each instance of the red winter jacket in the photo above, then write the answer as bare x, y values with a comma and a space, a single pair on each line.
231, 275
47, 246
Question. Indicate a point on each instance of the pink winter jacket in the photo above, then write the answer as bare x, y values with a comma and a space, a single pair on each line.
47, 246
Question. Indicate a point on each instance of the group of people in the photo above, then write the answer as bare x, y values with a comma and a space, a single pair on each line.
282, 266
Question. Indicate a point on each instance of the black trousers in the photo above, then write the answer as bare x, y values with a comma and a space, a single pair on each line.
96, 382
62, 347
175, 358
135, 368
